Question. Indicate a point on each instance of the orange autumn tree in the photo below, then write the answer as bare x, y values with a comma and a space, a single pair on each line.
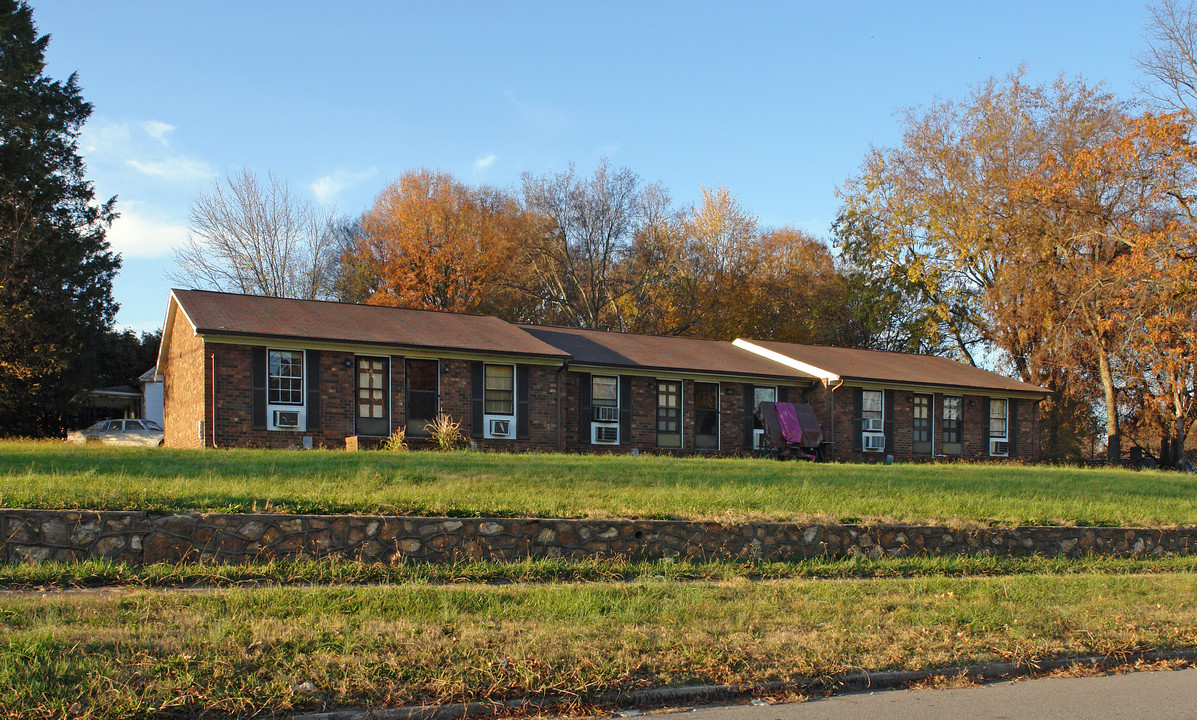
432, 242
797, 293
1112, 265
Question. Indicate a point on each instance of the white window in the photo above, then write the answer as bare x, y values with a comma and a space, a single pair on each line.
872, 412
285, 377
499, 392
284, 390
760, 395
498, 401
999, 427
604, 400
997, 419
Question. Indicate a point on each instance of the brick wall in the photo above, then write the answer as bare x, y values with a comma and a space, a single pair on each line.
234, 400
553, 425
974, 432
183, 391
338, 411
643, 434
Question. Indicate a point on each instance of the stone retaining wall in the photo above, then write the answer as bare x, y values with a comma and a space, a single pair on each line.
138, 537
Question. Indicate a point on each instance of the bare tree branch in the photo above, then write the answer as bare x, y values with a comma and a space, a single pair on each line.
258, 239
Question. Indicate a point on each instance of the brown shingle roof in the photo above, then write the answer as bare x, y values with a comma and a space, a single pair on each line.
228, 314
652, 352
878, 366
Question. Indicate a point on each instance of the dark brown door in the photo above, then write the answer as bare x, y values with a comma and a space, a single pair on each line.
373, 406
922, 425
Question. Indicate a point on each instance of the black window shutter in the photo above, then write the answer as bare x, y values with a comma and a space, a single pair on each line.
936, 423
476, 381
749, 417
888, 423
1011, 424
625, 409
857, 424
258, 387
313, 370
984, 426
522, 421
783, 394
584, 408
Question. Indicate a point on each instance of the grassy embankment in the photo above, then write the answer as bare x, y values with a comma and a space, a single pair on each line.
391, 635
54, 475
145, 653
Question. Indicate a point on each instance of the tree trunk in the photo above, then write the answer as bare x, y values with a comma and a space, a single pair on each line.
1113, 441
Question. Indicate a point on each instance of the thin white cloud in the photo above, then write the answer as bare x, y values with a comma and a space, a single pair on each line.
134, 235
158, 130
144, 147
329, 188
484, 162
177, 168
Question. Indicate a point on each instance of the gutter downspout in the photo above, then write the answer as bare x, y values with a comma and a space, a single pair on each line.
213, 429
560, 409
831, 394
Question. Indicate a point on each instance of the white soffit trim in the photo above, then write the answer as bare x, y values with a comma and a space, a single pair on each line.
786, 360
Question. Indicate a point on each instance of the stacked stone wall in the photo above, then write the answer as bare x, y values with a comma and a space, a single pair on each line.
138, 537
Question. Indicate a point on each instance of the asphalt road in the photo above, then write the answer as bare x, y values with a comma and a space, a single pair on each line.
1135, 696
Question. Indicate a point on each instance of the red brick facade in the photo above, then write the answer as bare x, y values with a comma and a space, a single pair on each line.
196, 418
209, 401
1023, 432
183, 390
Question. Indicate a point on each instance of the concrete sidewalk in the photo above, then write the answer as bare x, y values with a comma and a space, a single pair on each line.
1158, 694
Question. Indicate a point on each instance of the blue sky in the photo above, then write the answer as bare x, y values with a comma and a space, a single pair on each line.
779, 101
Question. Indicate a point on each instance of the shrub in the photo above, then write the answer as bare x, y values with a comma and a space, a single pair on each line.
445, 432
397, 442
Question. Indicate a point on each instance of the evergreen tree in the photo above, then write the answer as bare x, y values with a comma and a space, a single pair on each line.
56, 269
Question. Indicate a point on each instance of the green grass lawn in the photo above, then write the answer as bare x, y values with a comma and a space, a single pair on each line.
56, 475
104, 573
241, 652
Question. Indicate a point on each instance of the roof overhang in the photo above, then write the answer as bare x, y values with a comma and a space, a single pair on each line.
683, 374
944, 389
369, 348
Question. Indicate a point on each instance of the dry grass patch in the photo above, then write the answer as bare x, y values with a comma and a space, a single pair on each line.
242, 651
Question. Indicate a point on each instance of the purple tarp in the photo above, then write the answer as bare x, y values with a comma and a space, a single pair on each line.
787, 418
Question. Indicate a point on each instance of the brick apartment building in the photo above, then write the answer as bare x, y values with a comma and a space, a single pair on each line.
272, 372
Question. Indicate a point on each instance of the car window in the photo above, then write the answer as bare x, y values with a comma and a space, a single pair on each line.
151, 425
133, 425
108, 425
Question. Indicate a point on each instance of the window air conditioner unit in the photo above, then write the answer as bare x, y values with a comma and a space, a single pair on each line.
500, 428
605, 434
758, 440
606, 413
286, 419
874, 425
999, 447
873, 442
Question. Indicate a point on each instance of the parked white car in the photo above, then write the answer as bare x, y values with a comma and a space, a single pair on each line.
132, 432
